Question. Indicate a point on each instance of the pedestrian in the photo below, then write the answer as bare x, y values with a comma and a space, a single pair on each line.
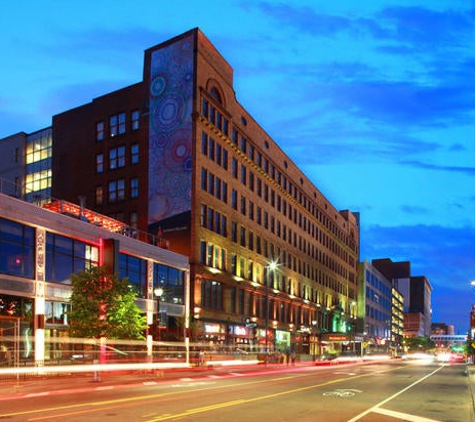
202, 358
293, 356
287, 355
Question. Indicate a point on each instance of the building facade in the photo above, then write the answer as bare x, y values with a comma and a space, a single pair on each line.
179, 160
39, 250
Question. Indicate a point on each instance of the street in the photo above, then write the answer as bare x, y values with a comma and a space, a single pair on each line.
388, 391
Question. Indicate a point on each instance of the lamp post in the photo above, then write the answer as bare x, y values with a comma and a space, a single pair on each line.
158, 292
271, 268
314, 325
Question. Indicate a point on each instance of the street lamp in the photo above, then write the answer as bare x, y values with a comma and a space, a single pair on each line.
158, 292
314, 325
271, 268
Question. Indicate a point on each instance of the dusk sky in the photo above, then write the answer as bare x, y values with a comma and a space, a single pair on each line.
373, 100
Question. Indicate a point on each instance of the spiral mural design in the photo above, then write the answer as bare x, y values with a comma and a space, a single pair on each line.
171, 93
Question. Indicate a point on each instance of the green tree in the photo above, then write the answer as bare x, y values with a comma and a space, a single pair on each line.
103, 305
419, 344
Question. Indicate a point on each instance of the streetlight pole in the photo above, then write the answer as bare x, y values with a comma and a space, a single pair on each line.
270, 268
314, 325
158, 292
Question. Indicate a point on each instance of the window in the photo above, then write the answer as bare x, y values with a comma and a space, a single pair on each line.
116, 190
134, 188
212, 294
17, 249
117, 157
134, 220
99, 163
234, 169
99, 195
134, 154
135, 269
117, 124
243, 175
99, 131
66, 256
135, 120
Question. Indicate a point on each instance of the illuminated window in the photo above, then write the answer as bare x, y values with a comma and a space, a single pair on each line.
38, 158
135, 120
99, 195
117, 124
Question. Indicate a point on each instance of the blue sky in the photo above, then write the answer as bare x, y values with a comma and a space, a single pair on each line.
374, 100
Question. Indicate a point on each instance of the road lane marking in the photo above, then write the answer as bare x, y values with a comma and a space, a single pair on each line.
377, 406
130, 401
403, 416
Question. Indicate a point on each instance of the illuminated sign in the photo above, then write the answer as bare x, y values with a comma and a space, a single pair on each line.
212, 328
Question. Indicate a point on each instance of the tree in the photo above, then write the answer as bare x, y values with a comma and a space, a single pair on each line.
103, 305
419, 344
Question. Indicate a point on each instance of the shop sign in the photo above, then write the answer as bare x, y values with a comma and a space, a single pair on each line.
334, 337
213, 328
240, 330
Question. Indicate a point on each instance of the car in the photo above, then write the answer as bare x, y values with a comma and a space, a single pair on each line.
326, 359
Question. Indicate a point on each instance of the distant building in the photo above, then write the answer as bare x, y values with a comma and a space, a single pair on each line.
417, 293
380, 311
26, 166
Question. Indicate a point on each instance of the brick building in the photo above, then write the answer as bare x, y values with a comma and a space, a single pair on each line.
177, 157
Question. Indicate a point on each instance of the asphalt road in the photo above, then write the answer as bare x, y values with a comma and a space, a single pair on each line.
380, 392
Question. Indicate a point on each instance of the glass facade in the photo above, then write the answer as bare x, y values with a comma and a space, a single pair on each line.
17, 249
39, 147
135, 269
65, 256
171, 280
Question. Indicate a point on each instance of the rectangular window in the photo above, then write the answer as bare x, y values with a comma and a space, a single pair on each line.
99, 163
234, 169
212, 295
135, 120
234, 199
243, 175
66, 256
134, 188
99, 131
243, 236
234, 231
204, 179
234, 264
117, 124
134, 154
135, 269
117, 157
99, 195
17, 249
204, 143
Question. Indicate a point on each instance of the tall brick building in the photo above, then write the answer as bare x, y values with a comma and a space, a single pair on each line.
178, 157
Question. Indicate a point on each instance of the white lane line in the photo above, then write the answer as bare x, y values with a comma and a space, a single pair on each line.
45, 393
372, 409
403, 416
